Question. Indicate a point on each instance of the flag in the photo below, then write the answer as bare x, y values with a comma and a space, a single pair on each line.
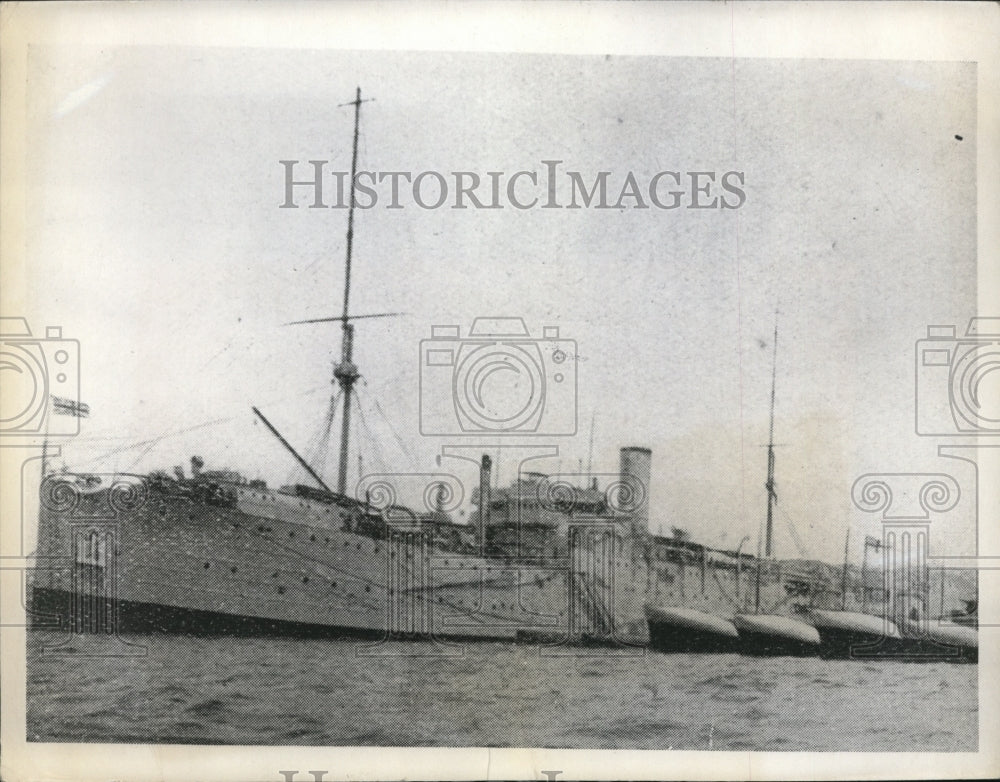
875, 543
62, 406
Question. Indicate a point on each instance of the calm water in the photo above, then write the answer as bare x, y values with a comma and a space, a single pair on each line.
266, 691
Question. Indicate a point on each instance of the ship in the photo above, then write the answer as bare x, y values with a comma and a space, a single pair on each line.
213, 552
208, 552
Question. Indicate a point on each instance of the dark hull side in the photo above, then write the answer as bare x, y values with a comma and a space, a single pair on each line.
770, 645
915, 650
55, 609
672, 638
845, 644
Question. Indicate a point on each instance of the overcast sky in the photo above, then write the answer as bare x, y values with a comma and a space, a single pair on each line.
155, 238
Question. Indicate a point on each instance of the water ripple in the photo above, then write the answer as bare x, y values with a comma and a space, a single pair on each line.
277, 691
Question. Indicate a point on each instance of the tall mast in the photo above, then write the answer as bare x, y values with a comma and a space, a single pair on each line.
346, 372
772, 497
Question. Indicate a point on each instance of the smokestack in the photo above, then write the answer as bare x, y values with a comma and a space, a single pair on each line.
196, 464
485, 467
634, 471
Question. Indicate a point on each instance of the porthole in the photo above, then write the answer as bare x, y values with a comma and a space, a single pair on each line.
291, 534
281, 590
305, 579
333, 584
312, 538
367, 588
207, 565
232, 569
274, 575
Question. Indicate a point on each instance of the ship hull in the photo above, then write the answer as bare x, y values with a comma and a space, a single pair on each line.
132, 617
931, 643
673, 630
771, 635
917, 650
852, 635
259, 562
270, 564
848, 634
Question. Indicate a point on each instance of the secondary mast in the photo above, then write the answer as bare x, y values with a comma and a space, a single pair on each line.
772, 496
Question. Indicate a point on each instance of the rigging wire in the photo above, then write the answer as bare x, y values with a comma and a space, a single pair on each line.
795, 534
140, 457
323, 447
363, 421
399, 440
816, 568
317, 450
138, 443
157, 439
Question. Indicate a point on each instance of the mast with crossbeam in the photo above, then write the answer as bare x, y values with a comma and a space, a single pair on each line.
346, 371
